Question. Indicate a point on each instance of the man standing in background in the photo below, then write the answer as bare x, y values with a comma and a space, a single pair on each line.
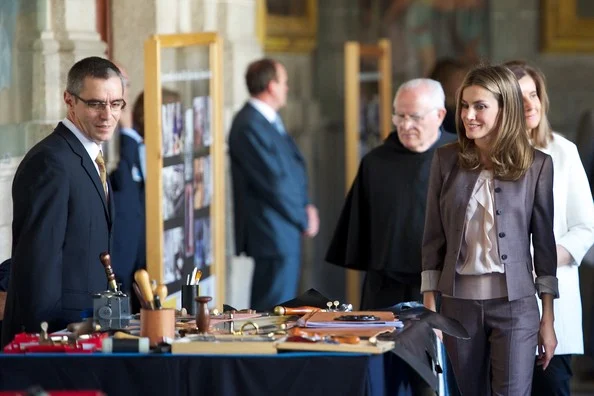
128, 182
272, 208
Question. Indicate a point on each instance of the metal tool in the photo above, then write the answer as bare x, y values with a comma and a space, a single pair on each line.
111, 308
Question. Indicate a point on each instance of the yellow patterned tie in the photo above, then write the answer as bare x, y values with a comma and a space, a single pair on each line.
102, 173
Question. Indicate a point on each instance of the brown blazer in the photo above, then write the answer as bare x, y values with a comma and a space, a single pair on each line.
523, 208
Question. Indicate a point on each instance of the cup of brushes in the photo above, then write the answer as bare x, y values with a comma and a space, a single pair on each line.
156, 323
190, 291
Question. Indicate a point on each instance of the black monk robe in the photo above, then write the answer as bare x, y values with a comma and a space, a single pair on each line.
381, 224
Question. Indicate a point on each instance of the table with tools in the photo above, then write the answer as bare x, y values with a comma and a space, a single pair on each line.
306, 345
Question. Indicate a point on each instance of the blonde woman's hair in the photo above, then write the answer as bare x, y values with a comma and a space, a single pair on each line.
510, 153
543, 134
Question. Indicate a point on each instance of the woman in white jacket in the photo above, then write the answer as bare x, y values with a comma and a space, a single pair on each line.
573, 228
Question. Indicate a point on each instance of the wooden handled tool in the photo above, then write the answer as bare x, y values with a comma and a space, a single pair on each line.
121, 335
203, 316
144, 284
105, 259
197, 277
161, 291
279, 310
160, 295
143, 303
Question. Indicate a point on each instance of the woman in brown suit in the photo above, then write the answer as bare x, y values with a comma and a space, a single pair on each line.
489, 195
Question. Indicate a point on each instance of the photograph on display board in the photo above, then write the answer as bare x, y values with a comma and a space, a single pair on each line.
173, 254
189, 220
202, 182
202, 122
207, 286
202, 245
173, 129
188, 145
173, 191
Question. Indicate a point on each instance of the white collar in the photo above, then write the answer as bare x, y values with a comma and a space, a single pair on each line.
264, 108
90, 146
131, 133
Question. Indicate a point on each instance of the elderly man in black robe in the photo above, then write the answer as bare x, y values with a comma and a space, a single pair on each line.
380, 229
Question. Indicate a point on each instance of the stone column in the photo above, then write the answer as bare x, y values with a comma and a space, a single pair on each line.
50, 36
235, 20
338, 22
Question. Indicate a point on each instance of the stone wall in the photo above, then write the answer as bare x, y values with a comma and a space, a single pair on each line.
49, 36
515, 33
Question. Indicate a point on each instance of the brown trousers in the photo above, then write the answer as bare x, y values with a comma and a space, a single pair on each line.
498, 359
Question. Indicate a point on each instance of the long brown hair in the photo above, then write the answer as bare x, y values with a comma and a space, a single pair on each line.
543, 133
511, 153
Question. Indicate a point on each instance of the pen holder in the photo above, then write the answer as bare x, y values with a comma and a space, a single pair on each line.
188, 298
157, 324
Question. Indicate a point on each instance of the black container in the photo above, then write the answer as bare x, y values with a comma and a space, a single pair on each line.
188, 298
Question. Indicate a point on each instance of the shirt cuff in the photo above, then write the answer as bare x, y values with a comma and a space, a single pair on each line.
547, 284
429, 280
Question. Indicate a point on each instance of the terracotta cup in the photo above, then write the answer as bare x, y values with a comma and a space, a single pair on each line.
157, 324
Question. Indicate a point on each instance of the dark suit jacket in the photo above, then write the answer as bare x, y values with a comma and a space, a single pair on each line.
60, 227
129, 236
269, 187
524, 209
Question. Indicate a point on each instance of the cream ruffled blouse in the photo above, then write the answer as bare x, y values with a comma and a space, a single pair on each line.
480, 254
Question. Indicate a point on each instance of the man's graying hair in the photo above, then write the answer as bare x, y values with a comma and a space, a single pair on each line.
94, 67
434, 93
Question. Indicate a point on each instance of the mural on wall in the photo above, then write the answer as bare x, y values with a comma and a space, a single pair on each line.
424, 31
8, 15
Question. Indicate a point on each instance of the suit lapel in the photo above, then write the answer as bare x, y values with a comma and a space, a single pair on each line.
467, 181
464, 181
110, 204
87, 165
272, 136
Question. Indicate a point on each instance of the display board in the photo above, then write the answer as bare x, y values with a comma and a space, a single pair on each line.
185, 186
368, 109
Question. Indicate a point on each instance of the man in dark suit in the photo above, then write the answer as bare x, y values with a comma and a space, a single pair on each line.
61, 207
272, 208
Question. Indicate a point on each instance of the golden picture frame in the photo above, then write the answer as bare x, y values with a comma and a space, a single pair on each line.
287, 25
566, 27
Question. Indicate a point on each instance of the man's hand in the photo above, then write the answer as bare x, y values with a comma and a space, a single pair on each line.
313, 221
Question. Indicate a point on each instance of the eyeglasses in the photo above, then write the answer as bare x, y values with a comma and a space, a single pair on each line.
98, 105
414, 118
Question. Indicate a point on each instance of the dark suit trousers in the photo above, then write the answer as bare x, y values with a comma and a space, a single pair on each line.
555, 380
498, 359
275, 281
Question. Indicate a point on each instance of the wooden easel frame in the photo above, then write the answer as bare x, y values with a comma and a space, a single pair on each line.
353, 53
153, 139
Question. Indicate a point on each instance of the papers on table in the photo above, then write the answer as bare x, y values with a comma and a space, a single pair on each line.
330, 319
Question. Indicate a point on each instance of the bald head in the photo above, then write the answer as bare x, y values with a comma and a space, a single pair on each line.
419, 110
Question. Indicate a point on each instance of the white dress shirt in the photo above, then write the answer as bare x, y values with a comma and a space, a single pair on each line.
90, 146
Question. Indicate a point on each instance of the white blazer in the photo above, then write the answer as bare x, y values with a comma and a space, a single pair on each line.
574, 230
